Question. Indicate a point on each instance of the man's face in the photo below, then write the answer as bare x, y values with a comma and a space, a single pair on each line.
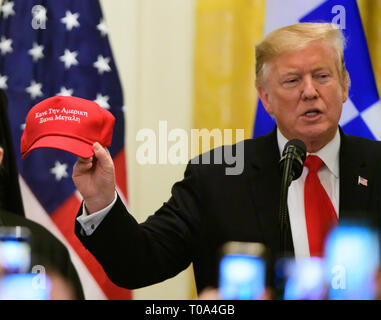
1, 154
304, 92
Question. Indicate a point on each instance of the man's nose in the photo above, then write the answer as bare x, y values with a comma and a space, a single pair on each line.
308, 90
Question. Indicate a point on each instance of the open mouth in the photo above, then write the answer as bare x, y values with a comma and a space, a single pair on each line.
312, 113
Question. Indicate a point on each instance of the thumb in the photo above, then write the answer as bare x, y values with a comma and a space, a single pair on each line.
102, 155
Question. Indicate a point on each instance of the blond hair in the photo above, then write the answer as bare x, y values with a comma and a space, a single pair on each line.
295, 37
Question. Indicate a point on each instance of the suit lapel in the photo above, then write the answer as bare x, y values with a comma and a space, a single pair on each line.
264, 187
354, 197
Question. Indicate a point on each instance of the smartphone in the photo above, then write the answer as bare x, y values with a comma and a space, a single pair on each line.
242, 271
352, 260
304, 279
14, 250
23, 287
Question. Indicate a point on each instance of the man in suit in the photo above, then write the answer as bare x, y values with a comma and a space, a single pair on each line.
302, 81
46, 249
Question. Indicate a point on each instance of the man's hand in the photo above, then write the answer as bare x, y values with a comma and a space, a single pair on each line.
94, 178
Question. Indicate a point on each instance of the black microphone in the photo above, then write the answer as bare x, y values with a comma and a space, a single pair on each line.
293, 157
291, 166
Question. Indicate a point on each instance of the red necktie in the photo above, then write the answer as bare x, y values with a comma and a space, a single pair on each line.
320, 213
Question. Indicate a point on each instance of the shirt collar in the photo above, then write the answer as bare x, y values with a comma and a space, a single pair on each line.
329, 153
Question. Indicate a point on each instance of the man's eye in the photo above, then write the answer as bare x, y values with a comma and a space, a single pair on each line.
290, 82
323, 76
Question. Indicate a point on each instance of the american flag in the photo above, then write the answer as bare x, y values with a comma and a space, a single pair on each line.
49, 48
362, 110
362, 181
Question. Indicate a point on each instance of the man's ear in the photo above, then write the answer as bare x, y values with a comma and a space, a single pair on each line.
264, 96
345, 93
1, 154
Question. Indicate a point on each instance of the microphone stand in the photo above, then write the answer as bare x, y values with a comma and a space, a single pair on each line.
287, 178
291, 165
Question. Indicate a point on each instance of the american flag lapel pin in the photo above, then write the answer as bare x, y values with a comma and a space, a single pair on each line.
362, 181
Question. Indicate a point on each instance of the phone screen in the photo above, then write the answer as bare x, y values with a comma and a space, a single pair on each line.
242, 277
304, 279
14, 256
23, 286
352, 260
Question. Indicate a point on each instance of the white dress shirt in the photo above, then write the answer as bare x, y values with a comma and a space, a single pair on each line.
90, 222
329, 178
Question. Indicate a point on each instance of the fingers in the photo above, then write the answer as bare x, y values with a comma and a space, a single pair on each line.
101, 158
209, 293
82, 165
1, 154
84, 160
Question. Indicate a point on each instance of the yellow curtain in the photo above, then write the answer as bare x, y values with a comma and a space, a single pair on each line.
224, 91
226, 32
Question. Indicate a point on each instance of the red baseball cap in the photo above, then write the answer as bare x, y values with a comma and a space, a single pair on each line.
67, 123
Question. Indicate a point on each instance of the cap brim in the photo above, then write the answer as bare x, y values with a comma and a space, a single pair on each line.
72, 145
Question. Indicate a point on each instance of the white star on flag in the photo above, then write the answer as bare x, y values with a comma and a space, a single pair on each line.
102, 101
102, 64
65, 92
22, 126
5, 45
59, 170
69, 58
70, 20
102, 27
7, 9
36, 52
34, 89
3, 82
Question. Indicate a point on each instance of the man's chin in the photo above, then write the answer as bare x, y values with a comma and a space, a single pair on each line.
315, 131
311, 132
317, 136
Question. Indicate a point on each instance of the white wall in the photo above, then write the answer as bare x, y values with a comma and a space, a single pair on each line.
152, 42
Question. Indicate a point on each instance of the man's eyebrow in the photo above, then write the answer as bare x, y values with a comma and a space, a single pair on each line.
320, 68
289, 73
294, 72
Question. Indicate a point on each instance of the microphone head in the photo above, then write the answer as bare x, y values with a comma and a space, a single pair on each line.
295, 150
298, 144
